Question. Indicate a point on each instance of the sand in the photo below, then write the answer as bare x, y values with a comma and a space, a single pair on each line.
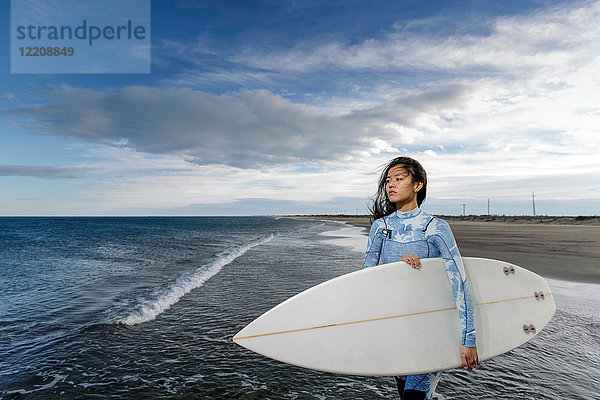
567, 251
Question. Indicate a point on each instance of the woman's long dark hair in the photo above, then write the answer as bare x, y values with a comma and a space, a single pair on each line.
381, 204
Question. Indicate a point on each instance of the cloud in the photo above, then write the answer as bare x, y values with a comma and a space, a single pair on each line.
536, 49
558, 36
45, 172
167, 183
10, 97
522, 85
496, 114
250, 129
255, 206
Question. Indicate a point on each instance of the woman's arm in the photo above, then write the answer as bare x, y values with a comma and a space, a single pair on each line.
374, 245
440, 234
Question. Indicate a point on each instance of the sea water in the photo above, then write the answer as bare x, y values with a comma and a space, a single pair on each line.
146, 308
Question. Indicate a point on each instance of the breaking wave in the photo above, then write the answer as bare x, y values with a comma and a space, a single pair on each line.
150, 309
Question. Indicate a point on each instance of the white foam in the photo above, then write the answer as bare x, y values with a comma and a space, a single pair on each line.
348, 236
579, 298
56, 379
150, 309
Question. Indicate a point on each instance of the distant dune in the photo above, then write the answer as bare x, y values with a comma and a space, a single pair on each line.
364, 220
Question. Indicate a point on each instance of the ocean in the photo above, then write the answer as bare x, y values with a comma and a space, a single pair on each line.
145, 308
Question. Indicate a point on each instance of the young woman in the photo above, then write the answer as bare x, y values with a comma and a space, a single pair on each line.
401, 231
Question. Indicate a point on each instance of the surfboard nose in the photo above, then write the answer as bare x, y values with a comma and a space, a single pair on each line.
238, 335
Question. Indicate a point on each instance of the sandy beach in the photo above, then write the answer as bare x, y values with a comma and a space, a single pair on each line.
566, 248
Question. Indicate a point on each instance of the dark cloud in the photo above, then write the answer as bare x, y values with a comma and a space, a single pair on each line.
247, 130
43, 171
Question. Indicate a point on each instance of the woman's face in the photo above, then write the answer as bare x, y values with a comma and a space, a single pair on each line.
400, 187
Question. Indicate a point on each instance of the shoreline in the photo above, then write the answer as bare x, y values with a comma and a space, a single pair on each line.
564, 251
365, 221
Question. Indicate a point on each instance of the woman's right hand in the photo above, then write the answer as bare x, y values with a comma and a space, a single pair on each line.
469, 357
412, 260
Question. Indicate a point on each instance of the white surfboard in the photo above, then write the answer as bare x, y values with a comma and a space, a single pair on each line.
396, 320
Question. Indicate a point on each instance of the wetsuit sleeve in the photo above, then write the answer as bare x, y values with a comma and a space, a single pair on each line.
440, 234
374, 245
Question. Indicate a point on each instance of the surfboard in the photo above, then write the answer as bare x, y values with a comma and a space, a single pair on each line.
396, 320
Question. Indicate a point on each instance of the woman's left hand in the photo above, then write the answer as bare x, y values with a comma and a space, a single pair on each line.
469, 357
412, 260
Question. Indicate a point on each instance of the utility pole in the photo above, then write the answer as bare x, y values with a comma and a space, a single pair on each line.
533, 201
464, 207
488, 207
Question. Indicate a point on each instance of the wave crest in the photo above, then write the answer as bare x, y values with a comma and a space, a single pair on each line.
150, 309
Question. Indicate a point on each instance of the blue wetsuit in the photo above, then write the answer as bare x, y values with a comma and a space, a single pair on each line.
417, 232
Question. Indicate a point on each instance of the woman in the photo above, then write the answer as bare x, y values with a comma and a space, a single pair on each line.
401, 231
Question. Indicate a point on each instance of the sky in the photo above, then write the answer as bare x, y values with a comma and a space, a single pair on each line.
293, 107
